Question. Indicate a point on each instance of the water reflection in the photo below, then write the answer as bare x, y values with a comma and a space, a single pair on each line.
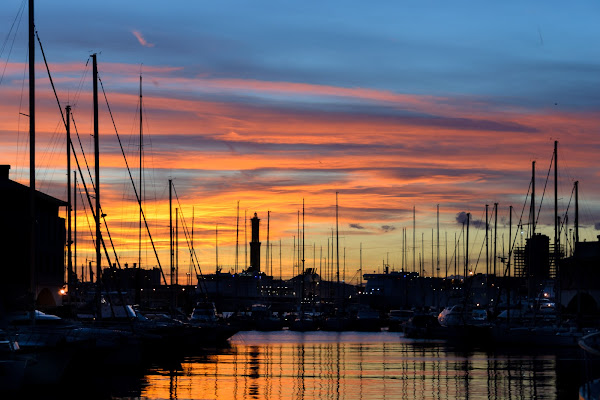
292, 365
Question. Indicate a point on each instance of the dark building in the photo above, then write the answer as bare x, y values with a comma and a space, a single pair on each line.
403, 290
15, 248
579, 287
535, 263
130, 278
255, 246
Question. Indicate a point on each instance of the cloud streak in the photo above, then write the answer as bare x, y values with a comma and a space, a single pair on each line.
141, 39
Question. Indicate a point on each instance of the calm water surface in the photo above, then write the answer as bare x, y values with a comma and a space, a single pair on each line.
323, 365
327, 365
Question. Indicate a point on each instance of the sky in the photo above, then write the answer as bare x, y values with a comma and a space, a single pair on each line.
391, 105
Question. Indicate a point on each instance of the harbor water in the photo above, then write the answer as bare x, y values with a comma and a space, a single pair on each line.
347, 365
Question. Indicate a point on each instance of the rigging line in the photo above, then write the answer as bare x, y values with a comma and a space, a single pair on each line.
187, 237
20, 113
87, 165
544, 191
19, 12
91, 206
132, 182
19, 18
519, 224
477, 232
48, 173
193, 251
50, 77
80, 85
567, 210
478, 257
87, 217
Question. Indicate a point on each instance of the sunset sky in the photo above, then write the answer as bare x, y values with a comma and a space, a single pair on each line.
391, 104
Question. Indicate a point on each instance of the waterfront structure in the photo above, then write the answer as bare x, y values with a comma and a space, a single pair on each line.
404, 290
579, 281
50, 233
255, 245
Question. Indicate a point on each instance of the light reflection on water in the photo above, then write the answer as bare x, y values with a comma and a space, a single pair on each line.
323, 365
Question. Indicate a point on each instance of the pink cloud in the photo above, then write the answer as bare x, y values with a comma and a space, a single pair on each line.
141, 39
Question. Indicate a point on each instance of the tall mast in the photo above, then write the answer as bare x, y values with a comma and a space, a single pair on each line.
141, 181
446, 249
576, 214
97, 173
532, 199
32, 244
414, 238
457, 251
69, 201
467, 247
432, 263
422, 263
303, 267
245, 241
495, 236
268, 232
438, 241
337, 240
217, 248
171, 232
176, 246
510, 212
75, 222
487, 243
361, 271
298, 254
192, 246
556, 236
237, 235
403, 254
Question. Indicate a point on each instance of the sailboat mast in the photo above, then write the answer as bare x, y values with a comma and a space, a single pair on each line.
303, 268
141, 180
192, 245
510, 246
69, 206
176, 246
97, 172
237, 235
245, 241
532, 199
556, 235
267, 252
495, 236
75, 222
438, 241
217, 247
32, 243
487, 244
467, 246
171, 231
576, 214
337, 240
414, 239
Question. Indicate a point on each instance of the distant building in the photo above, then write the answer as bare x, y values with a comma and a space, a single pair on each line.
404, 290
49, 249
130, 278
255, 245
